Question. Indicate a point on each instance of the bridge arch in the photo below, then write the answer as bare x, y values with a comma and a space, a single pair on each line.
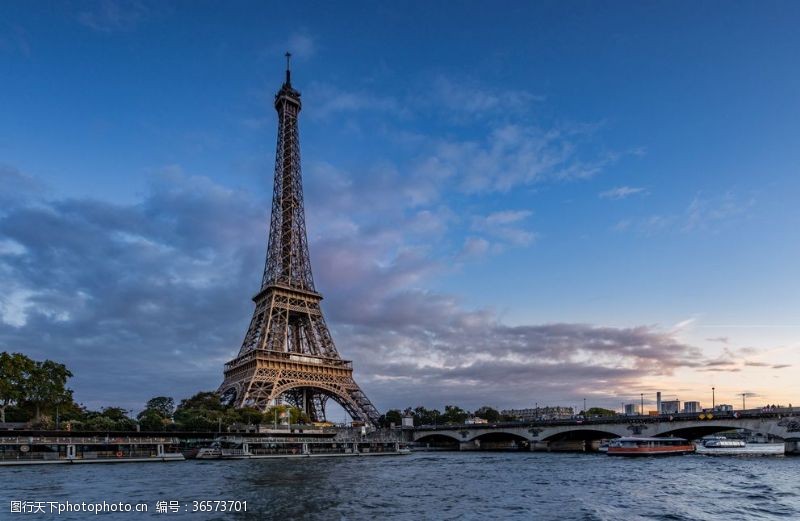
698, 431
500, 440
580, 434
440, 440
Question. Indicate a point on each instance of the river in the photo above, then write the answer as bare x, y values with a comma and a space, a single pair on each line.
434, 485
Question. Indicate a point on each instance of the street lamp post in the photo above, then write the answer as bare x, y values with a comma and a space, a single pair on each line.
641, 410
713, 399
584, 406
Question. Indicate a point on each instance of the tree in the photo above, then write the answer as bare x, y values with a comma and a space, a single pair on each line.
15, 369
489, 414
151, 420
46, 386
250, 416
454, 414
157, 413
423, 416
207, 400
163, 405
391, 416
599, 411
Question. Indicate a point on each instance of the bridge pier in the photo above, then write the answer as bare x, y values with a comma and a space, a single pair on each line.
469, 445
791, 447
540, 446
559, 446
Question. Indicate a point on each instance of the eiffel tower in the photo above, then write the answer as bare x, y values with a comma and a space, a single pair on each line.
288, 355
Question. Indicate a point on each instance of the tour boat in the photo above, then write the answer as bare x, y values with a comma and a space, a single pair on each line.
721, 442
36, 450
640, 446
235, 447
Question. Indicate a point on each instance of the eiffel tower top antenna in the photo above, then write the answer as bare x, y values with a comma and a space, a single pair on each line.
288, 68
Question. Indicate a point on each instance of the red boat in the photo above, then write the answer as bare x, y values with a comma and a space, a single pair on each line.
639, 446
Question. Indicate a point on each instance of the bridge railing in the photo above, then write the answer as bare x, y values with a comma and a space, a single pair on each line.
711, 415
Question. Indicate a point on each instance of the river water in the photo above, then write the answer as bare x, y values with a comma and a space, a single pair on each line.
433, 485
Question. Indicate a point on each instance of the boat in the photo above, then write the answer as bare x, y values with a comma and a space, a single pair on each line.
721, 442
38, 450
642, 446
235, 447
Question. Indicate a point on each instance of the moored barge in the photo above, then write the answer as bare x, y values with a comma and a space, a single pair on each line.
235, 447
41, 450
641, 446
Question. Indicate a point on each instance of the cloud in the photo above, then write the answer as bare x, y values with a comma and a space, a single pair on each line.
301, 45
503, 226
702, 214
720, 339
325, 100
620, 192
18, 188
109, 16
781, 366
153, 298
136, 299
474, 247
466, 97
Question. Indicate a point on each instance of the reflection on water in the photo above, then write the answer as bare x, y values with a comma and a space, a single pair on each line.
433, 486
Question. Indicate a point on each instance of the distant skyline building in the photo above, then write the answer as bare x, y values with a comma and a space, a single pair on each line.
540, 413
670, 407
691, 407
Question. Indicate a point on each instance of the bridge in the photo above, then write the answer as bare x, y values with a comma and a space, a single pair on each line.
585, 434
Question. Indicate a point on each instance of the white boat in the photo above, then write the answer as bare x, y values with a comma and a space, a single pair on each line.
721, 442
38, 450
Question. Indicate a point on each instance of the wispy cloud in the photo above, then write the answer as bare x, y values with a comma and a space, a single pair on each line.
621, 192
115, 15
326, 100
702, 214
302, 45
467, 97
505, 226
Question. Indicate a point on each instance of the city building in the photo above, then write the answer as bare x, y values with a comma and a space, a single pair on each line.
691, 407
631, 409
540, 413
670, 407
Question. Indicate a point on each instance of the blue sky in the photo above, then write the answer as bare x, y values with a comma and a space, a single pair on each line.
506, 205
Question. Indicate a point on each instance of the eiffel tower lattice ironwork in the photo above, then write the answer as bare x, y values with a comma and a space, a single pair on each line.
288, 353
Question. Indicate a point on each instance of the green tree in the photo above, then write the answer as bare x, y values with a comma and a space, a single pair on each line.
151, 420
599, 411
282, 414
489, 414
207, 400
250, 416
203, 412
164, 405
423, 416
454, 414
46, 386
15, 369
391, 416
